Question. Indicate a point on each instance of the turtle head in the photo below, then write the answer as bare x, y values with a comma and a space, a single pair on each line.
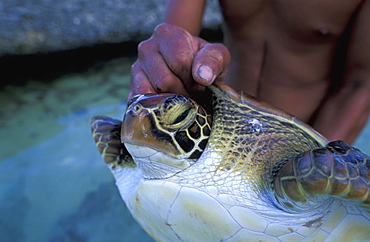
165, 133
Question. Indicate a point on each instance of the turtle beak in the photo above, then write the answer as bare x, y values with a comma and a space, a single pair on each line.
135, 127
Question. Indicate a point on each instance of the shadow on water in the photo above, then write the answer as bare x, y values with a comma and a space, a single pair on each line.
47, 67
53, 183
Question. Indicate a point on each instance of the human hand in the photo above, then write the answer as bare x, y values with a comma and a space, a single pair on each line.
174, 61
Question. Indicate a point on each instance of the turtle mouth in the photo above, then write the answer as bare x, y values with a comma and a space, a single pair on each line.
140, 150
156, 164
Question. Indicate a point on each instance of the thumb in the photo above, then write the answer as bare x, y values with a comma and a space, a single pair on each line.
210, 63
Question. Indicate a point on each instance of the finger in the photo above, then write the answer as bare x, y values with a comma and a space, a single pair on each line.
139, 82
210, 63
159, 75
178, 48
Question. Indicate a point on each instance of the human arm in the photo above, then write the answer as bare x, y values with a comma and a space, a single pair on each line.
185, 14
345, 112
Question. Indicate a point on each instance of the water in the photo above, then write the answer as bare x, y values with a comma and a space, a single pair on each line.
53, 184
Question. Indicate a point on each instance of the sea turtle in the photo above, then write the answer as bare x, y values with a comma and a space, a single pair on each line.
233, 169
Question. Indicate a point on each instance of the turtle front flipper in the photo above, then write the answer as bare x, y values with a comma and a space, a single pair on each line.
337, 170
106, 132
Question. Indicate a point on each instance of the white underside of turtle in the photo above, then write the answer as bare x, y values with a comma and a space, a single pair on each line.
171, 210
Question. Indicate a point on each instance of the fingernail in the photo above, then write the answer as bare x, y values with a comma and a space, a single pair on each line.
206, 73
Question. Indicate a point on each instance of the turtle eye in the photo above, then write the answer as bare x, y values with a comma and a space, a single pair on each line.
136, 108
177, 112
182, 116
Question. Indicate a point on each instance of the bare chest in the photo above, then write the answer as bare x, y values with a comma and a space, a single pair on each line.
307, 20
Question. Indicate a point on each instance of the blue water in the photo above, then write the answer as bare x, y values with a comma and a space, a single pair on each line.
55, 186
61, 190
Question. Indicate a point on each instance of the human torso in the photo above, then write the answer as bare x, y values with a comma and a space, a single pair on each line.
283, 50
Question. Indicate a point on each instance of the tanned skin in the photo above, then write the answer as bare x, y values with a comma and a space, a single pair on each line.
309, 58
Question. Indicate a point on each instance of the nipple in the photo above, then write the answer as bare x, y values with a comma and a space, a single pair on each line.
323, 32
